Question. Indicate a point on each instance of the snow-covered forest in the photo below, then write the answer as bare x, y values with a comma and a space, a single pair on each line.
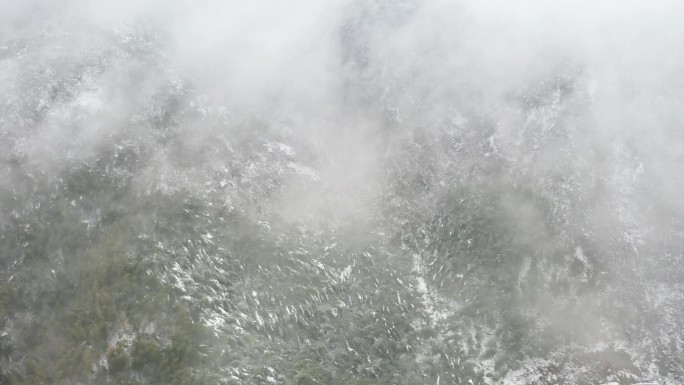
341, 192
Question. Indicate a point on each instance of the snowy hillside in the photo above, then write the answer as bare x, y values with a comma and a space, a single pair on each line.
341, 192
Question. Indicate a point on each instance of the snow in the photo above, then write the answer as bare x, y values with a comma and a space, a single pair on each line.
304, 171
280, 147
437, 307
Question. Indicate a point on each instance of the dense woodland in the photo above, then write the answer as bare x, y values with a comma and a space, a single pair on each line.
150, 233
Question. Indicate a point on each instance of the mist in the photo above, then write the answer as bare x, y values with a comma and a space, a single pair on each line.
341, 192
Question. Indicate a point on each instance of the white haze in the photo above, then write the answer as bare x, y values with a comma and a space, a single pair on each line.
346, 87
330, 69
